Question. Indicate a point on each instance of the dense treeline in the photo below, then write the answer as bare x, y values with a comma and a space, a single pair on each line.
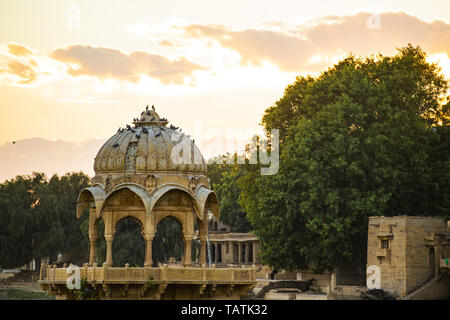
37, 217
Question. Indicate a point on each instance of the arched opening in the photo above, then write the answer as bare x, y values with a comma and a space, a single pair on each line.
100, 243
168, 243
128, 244
431, 259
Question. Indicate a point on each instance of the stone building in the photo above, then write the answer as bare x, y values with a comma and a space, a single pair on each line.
407, 250
231, 248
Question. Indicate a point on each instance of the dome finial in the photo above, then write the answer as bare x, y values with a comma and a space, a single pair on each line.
149, 118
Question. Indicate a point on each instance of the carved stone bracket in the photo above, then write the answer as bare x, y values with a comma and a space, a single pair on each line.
202, 289
230, 289
161, 289
107, 290
124, 292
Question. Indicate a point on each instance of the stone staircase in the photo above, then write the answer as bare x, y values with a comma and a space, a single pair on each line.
420, 288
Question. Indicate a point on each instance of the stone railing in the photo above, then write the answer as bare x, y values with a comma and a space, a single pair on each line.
163, 274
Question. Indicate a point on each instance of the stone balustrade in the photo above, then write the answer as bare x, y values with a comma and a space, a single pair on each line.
166, 274
164, 282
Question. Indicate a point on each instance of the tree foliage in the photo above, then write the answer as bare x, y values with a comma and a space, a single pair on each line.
224, 179
368, 137
37, 217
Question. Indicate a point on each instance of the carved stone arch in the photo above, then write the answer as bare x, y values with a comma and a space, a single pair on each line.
208, 200
90, 196
138, 190
159, 192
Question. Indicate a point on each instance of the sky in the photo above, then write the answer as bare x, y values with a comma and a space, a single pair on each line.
72, 72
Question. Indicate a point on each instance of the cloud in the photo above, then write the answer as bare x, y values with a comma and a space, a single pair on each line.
110, 63
311, 46
19, 65
24, 72
18, 49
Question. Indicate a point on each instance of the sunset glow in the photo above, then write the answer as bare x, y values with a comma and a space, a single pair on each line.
75, 71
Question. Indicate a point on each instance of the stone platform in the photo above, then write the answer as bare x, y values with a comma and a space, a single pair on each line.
165, 282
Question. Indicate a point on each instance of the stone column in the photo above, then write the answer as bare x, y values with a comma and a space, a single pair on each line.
202, 250
247, 253
239, 253
187, 251
254, 252
148, 250
109, 240
92, 249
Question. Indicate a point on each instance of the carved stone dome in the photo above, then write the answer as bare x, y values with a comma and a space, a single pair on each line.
149, 146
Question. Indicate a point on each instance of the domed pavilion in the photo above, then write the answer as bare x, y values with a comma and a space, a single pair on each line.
149, 172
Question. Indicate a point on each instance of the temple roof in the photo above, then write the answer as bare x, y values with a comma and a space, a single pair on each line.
149, 146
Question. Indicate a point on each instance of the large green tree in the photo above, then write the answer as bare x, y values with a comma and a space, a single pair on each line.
365, 138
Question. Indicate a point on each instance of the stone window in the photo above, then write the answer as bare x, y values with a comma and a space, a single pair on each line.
384, 244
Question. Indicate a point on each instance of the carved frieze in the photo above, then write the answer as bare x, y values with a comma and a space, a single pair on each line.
149, 182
